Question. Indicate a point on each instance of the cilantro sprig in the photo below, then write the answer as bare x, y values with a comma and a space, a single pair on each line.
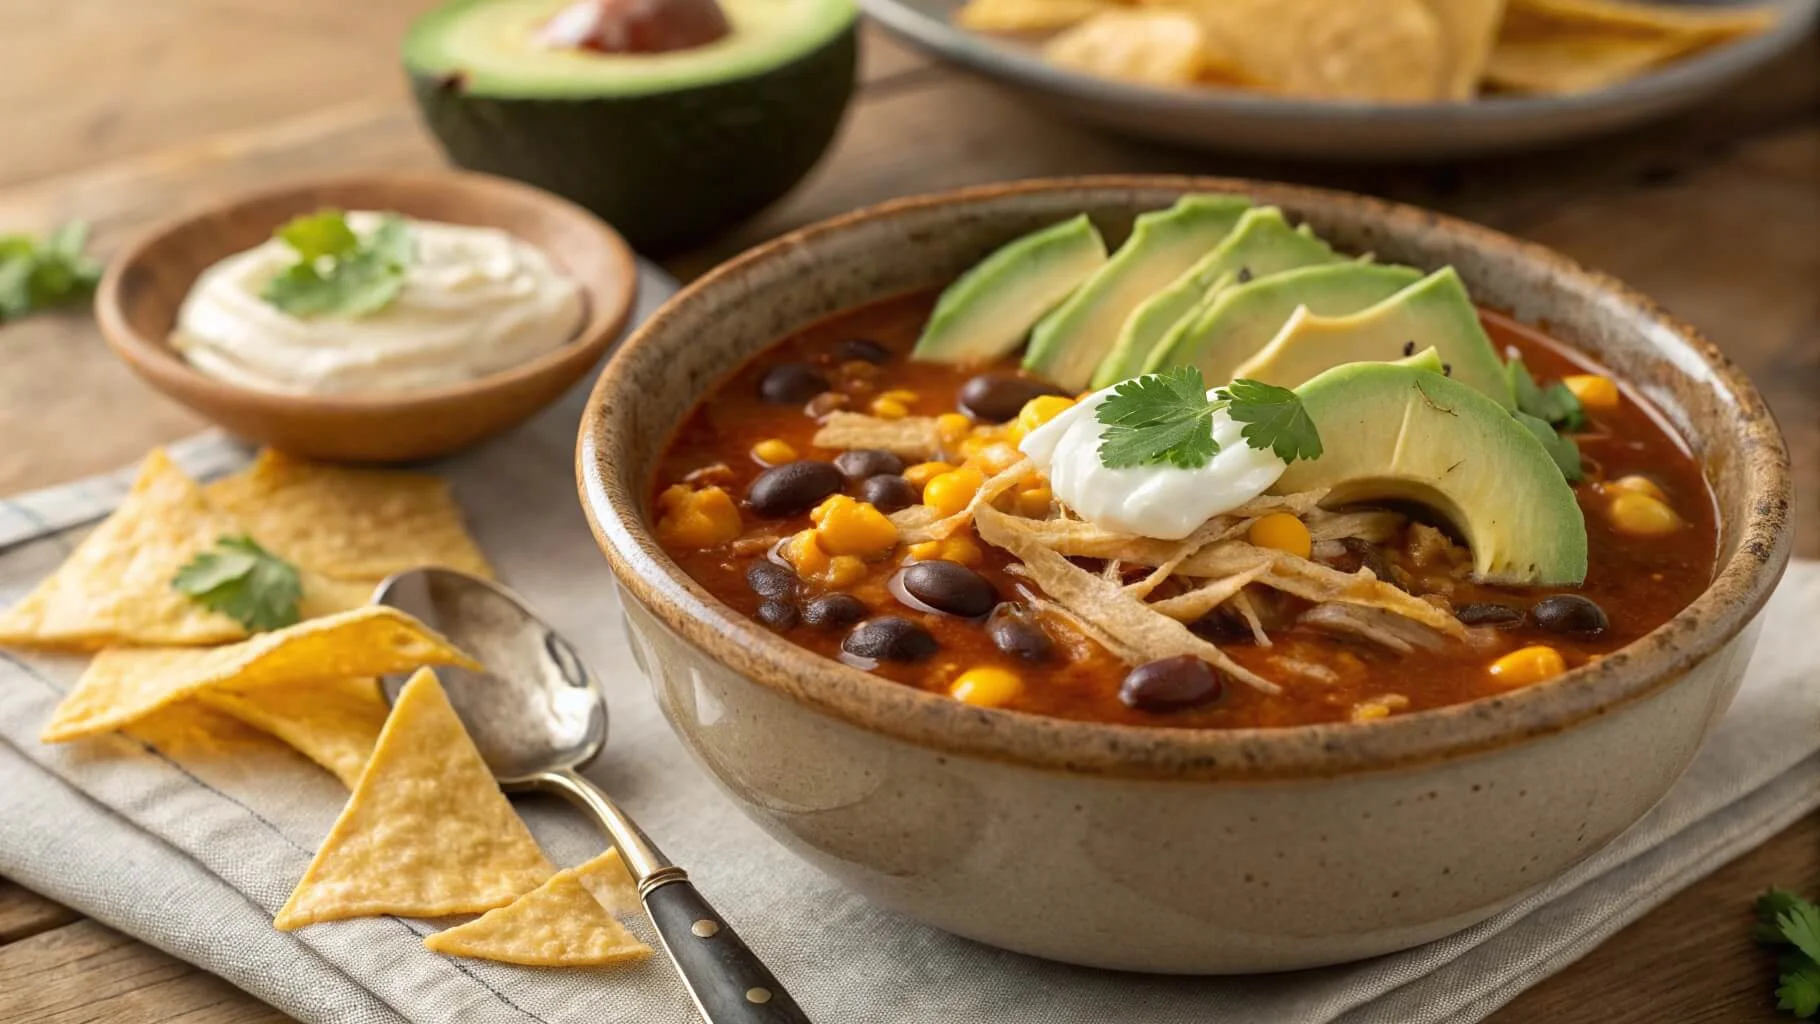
37, 276
1167, 419
338, 272
243, 581
1555, 404
1785, 919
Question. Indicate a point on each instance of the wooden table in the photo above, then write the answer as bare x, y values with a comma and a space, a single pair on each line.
122, 112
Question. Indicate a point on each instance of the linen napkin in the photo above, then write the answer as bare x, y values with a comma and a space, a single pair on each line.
193, 851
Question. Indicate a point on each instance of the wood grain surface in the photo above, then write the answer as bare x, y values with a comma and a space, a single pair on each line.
125, 112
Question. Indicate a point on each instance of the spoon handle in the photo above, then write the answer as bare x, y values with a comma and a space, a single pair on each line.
729, 983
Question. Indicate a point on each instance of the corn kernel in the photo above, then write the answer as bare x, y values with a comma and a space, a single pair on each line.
1528, 665
1638, 484
697, 518
952, 491
1282, 532
805, 555
1640, 515
1034, 502
1370, 712
1593, 391
953, 427
971, 447
901, 395
773, 451
889, 408
844, 571
958, 548
920, 474
844, 526
1036, 412
986, 687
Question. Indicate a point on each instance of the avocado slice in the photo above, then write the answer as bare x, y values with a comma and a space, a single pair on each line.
1070, 341
988, 310
1434, 311
1261, 243
1243, 319
1402, 433
667, 147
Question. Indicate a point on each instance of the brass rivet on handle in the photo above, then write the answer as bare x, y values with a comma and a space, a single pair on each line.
758, 995
704, 928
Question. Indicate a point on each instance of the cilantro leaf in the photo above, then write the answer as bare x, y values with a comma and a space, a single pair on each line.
1800, 926
1771, 905
1159, 418
1274, 419
243, 581
1554, 405
36, 276
1560, 447
337, 272
1799, 991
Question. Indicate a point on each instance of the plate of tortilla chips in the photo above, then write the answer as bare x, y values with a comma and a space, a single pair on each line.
1357, 80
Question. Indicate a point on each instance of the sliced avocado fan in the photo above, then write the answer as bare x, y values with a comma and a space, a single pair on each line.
1242, 319
1402, 433
1435, 311
1070, 341
988, 311
1261, 243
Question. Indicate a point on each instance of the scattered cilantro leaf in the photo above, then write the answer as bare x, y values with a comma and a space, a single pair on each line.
1785, 919
1554, 404
1799, 991
1771, 905
1800, 925
337, 272
1560, 447
243, 581
1274, 419
35, 276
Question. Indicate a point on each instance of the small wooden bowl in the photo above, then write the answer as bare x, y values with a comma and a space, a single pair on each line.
145, 284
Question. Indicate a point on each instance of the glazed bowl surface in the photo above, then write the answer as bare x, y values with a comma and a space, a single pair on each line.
145, 284
1182, 851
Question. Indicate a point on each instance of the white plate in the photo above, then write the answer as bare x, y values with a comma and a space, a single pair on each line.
1237, 121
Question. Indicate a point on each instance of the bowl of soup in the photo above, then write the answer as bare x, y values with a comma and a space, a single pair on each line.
1181, 574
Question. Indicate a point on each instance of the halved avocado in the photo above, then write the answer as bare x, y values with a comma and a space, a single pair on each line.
989, 310
667, 147
1261, 243
1070, 342
1242, 319
1403, 433
1435, 311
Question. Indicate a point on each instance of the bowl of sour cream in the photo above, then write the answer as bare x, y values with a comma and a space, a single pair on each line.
378, 318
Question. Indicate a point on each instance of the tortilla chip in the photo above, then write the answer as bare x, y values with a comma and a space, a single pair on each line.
115, 588
333, 722
187, 730
1468, 29
563, 923
1361, 50
1710, 21
123, 684
426, 831
1103, 603
1553, 64
1152, 47
349, 524
1026, 15
913, 437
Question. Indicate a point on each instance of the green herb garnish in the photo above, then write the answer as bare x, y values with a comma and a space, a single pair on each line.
1785, 919
1167, 418
1560, 448
36, 276
243, 581
1554, 404
338, 272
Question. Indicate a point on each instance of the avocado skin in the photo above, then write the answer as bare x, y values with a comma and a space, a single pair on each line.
665, 169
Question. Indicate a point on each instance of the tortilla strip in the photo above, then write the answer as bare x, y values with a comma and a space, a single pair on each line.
1198, 602
1315, 582
1103, 604
1249, 613
914, 437
1374, 525
919, 523
1035, 599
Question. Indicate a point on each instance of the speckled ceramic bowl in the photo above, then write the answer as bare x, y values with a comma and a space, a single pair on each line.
1174, 850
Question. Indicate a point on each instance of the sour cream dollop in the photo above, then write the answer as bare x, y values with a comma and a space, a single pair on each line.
1165, 502
475, 301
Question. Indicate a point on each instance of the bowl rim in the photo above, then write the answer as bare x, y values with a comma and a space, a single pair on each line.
1740, 587
608, 303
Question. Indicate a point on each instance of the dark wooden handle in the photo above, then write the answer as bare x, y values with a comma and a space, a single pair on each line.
729, 983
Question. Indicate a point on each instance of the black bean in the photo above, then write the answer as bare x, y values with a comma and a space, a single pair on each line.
997, 397
1018, 631
861, 463
889, 638
779, 615
1489, 614
834, 611
768, 579
1569, 614
792, 488
863, 350
944, 586
1218, 627
888, 493
1171, 684
791, 383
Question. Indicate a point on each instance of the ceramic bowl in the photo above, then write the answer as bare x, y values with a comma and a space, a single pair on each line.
146, 282
1177, 850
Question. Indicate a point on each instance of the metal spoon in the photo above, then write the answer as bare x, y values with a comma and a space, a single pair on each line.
538, 716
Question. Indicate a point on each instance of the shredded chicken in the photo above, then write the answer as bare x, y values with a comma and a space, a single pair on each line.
1376, 625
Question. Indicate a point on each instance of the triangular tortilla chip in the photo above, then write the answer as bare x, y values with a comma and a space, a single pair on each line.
349, 524
1468, 28
187, 730
115, 588
566, 922
123, 684
426, 832
333, 722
